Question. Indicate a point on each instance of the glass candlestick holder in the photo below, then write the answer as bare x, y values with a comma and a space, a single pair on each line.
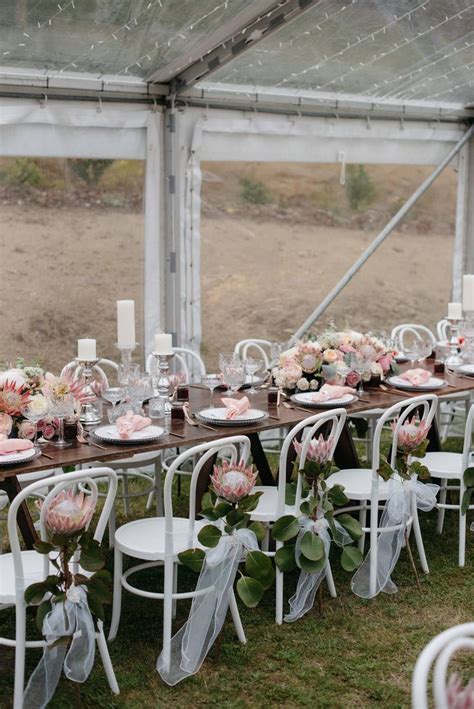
91, 413
454, 360
467, 331
161, 383
125, 361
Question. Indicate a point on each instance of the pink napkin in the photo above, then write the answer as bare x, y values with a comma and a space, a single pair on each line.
416, 376
235, 407
131, 422
14, 445
331, 391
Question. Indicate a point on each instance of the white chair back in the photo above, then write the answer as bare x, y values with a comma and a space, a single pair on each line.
235, 447
310, 426
260, 348
443, 330
60, 482
400, 333
76, 370
184, 360
437, 654
467, 445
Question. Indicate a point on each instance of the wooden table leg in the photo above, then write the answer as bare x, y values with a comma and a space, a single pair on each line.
345, 455
260, 460
27, 529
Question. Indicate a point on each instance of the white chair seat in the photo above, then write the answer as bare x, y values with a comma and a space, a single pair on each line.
145, 538
357, 483
443, 465
266, 510
138, 458
33, 573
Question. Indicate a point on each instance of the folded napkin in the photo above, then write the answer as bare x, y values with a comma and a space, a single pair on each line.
236, 407
14, 445
416, 376
331, 391
130, 422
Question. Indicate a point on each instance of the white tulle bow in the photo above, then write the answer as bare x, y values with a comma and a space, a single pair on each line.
71, 618
392, 527
308, 583
193, 641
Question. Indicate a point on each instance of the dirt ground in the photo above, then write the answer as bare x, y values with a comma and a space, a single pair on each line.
64, 269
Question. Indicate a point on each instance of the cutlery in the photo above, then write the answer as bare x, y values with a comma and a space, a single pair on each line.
300, 408
276, 418
45, 455
202, 425
178, 435
81, 439
398, 392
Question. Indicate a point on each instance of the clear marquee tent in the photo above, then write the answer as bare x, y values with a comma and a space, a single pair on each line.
176, 82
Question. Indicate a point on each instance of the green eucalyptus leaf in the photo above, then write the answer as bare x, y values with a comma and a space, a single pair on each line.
305, 508
43, 547
259, 566
310, 566
385, 470
35, 592
285, 558
95, 604
209, 536
236, 517
312, 546
337, 495
207, 501
250, 503
351, 525
259, 530
417, 468
351, 558
101, 589
285, 528
468, 477
210, 514
290, 494
466, 500
250, 591
92, 557
192, 559
42, 611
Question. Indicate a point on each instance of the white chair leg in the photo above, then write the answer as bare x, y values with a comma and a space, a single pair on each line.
126, 499
363, 523
112, 526
149, 501
330, 580
20, 637
441, 510
462, 527
175, 588
419, 538
167, 613
234, 609
278, 597
106, 661
373, 548
117, 597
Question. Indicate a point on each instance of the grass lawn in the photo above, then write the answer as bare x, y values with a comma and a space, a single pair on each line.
356, 654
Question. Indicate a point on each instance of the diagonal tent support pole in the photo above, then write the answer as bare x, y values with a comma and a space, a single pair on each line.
386, 231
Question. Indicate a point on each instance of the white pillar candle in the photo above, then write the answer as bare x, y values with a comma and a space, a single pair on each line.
454, 311
468, 293
163, 344
86, 350
126, 324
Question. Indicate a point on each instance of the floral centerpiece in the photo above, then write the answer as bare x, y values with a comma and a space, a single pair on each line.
331, 358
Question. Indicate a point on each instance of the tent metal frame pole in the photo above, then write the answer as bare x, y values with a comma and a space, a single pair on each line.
386, 231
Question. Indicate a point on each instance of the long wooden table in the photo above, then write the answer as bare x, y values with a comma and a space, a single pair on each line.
281, 417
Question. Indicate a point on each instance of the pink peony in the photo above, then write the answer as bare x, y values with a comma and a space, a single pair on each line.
27, 429
410, 434
460, 697
6, 423
233, 481
385, 362
353, 379
68, 513
319, 450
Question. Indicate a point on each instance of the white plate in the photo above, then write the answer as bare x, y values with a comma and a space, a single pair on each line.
20, 457
111, 435
306, 399
466, 369
218, 416
430, 385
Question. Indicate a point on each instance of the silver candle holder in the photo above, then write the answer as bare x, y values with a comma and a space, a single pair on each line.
162, 381
467, 330
454, 360
91, 412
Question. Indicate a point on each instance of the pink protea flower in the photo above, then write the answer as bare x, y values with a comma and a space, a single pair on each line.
68, 513
59, 387
460, 697
319, 450
13, 397
233, 481
411, 434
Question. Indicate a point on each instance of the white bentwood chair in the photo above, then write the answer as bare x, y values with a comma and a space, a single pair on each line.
19, 569
157, 541
450, 468
184, 360
261, 348
365, 486
271, 505
438, 654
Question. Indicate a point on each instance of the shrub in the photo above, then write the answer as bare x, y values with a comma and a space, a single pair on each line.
359, 187
25, 172
254, 191
90, 170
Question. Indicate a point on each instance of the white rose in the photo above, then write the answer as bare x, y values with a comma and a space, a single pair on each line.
313, 384
376, 369
38, 404
302, 384
15, 376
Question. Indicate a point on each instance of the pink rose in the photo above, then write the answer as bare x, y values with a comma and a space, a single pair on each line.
6, 423
347, 348
330, 356
352, 379
48, 431
385, 362
26, 429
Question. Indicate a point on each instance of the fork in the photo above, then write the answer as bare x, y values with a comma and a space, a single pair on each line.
83, 440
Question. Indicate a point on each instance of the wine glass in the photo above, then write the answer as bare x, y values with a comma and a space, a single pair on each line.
226, 360
127, 374
113, 395
251, 367
35, 410
140, 389
361, 366
211, 381
61, 408
234, 377
424, 348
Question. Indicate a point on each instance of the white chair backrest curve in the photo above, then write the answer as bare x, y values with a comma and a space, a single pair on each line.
184, 360
402, 411
400, 333
467, 439
238, 447
76, 370
60, 482
261, 348
311, 427
443, 330
439, 652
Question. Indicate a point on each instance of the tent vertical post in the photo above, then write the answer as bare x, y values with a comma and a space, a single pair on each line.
463, 258
172, 280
